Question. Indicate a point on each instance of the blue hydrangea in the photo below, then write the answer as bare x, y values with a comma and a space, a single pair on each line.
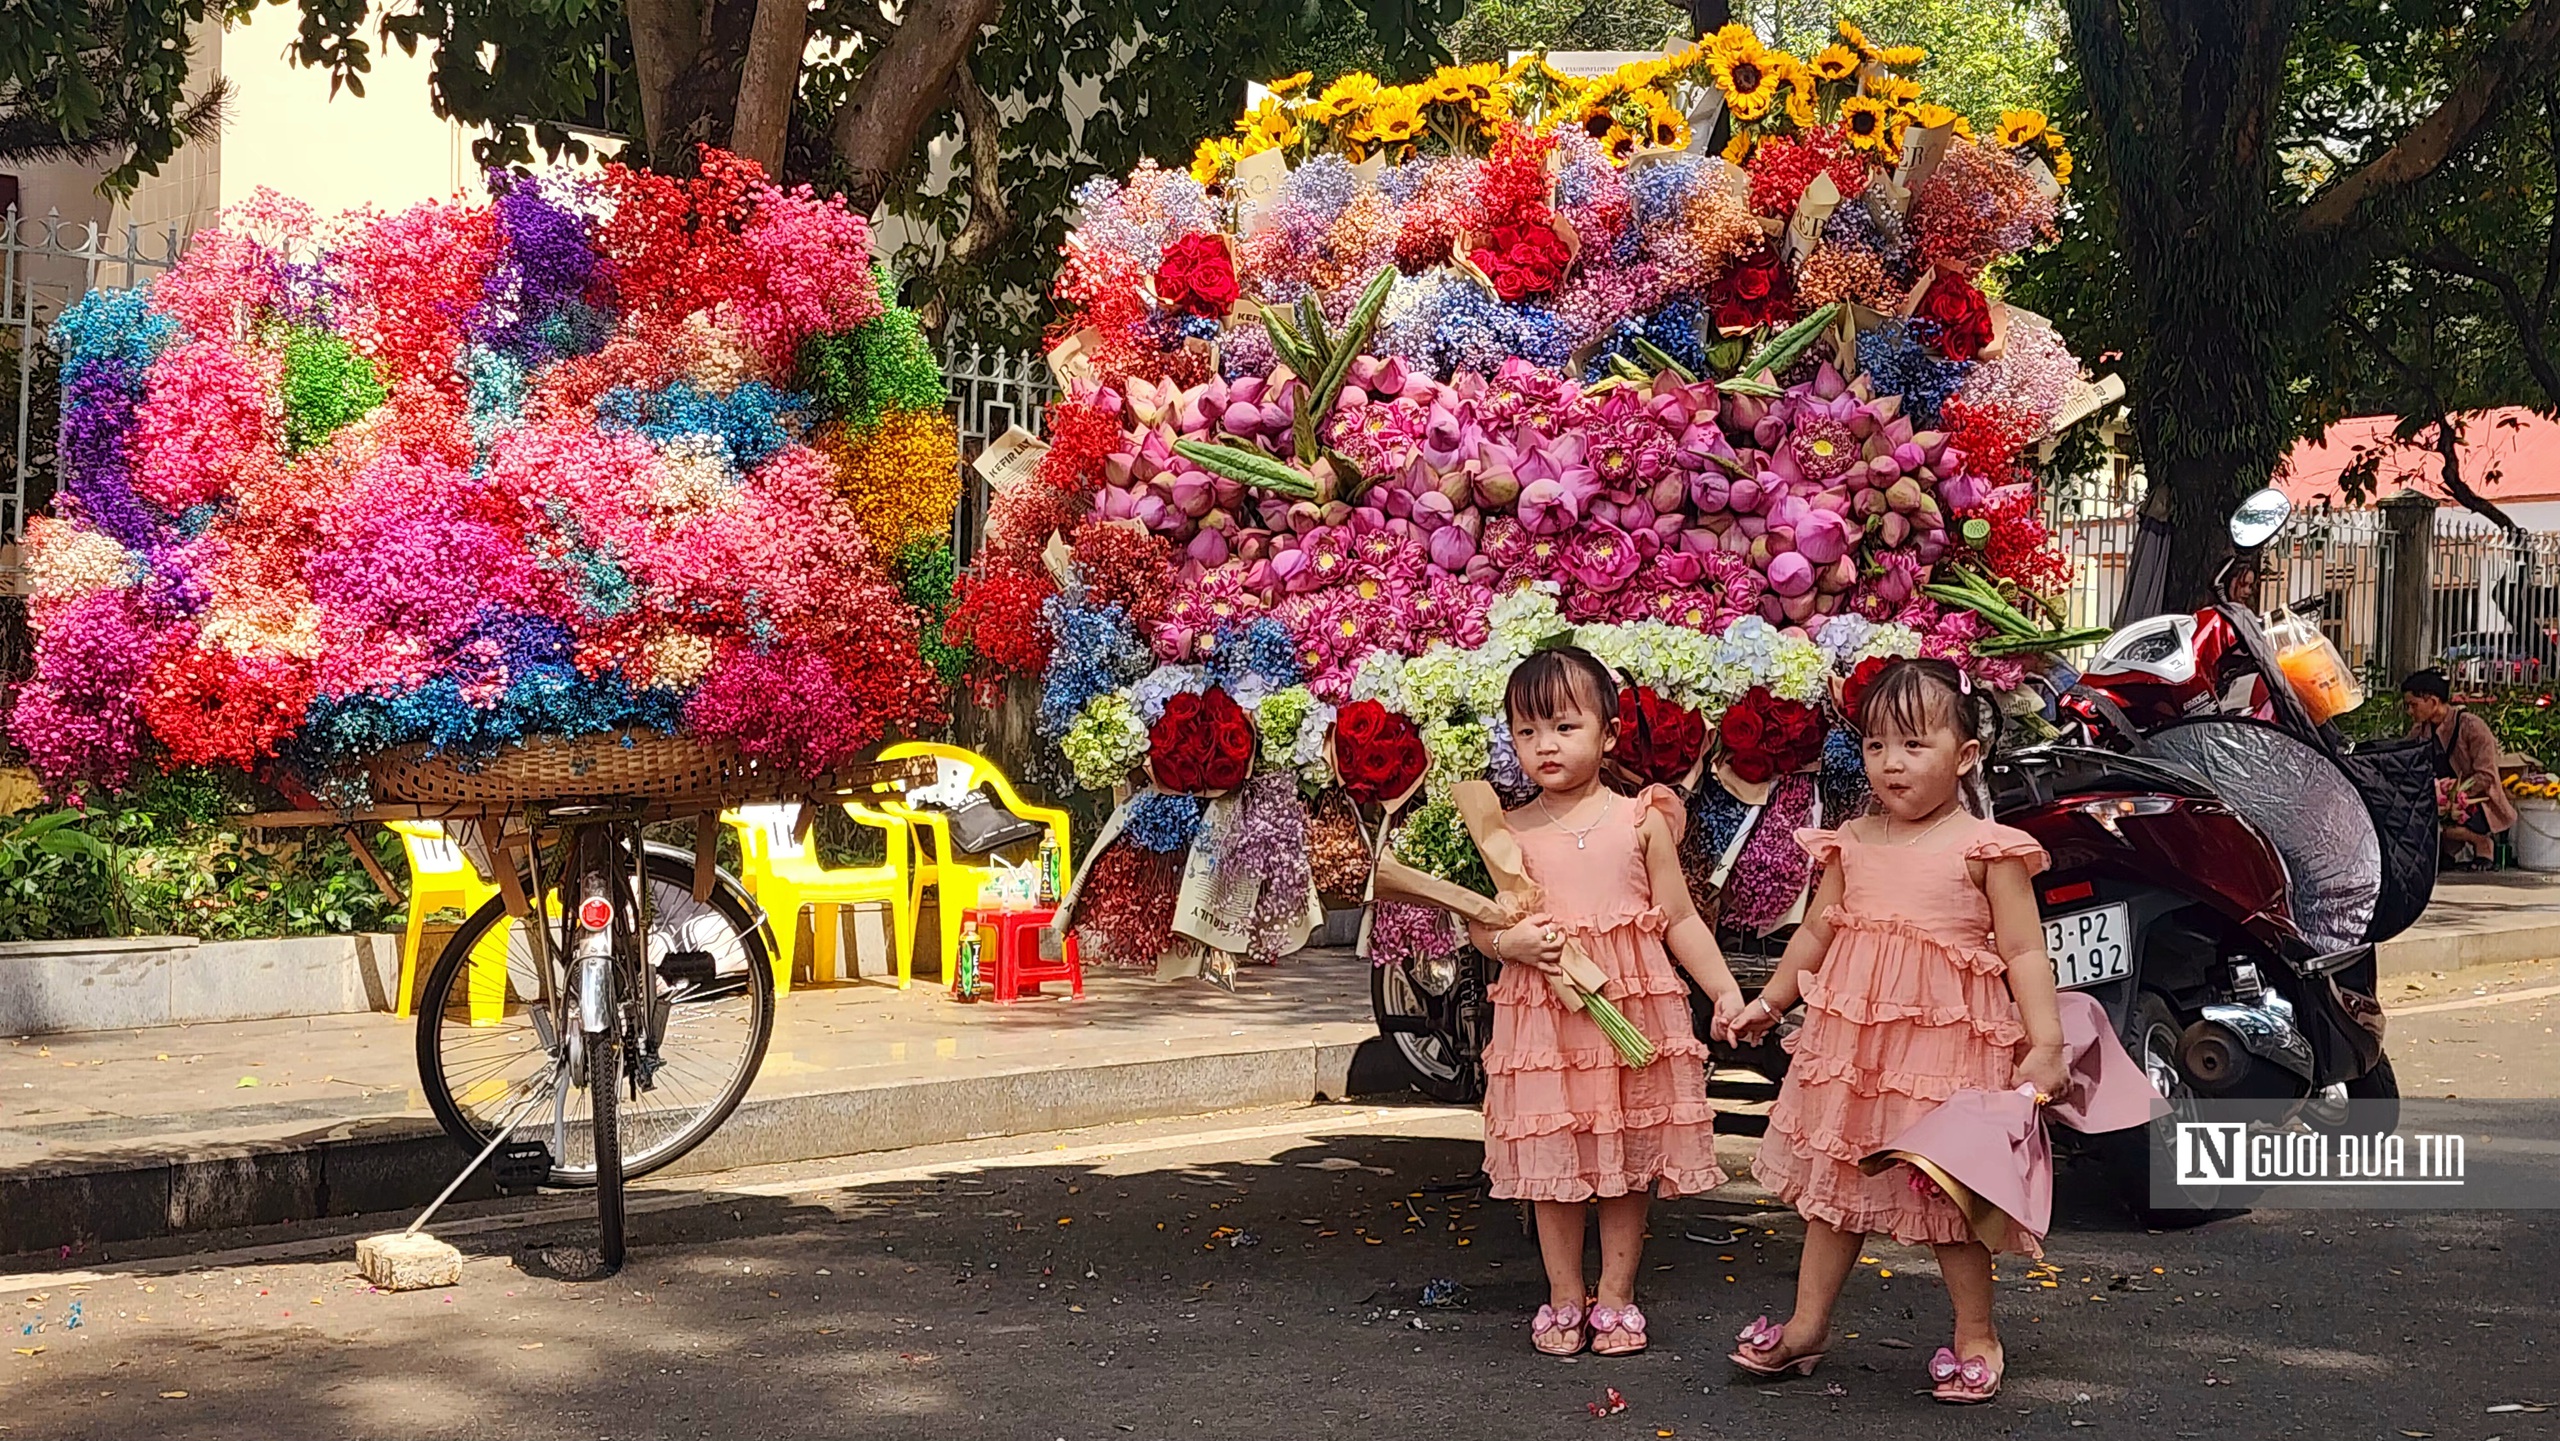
111, 325
1095, 651
1262, 649
1162, 823
1898, 362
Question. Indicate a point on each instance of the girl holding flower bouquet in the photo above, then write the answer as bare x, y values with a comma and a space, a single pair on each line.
1569, 1126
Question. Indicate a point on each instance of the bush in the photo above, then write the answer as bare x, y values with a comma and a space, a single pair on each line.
168, 858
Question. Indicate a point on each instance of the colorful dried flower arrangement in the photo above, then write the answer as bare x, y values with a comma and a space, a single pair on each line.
608, 451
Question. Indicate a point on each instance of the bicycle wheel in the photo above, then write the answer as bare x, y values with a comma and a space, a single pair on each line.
711, 1016
604, 1089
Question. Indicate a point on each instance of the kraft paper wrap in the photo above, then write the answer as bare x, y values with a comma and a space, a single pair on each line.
1481, 808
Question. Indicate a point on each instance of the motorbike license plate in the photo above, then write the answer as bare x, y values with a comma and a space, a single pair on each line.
2090, 947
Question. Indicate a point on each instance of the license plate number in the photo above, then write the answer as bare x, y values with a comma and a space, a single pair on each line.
2090, 947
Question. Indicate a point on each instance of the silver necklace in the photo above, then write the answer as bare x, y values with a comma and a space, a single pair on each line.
1582, 837
1924, 835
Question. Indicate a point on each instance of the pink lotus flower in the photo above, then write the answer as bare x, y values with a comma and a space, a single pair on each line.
1600, 557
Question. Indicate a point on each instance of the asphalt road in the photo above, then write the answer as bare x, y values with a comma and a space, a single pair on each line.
1260, 1274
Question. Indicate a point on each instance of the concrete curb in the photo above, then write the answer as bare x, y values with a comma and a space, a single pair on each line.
159, 1188
2452, 950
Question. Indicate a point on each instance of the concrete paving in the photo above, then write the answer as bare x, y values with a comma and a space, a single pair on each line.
118, 1136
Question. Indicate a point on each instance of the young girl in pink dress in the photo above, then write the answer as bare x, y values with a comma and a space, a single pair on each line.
1568, 1125
1922, 970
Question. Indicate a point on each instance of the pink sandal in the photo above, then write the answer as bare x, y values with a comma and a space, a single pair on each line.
1617, 1321
1967, 1382
1565, 1326
1765, 1335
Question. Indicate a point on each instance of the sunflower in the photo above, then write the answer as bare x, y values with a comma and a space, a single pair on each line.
1344, 97
1895, 91
1751, 110
1666, 128
1738, 149
1837, 63
1395, 118
1447, 86
2017, 127
1867, 122
1291, 84
1804, 96
1732, 39
1903, 57
1929, 115
1475, 83
1211, 162
2061, 158
1621, 144
1748, 77
1856, 39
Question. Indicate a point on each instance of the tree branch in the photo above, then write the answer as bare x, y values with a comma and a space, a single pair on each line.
2448, 438
2449, 445
904, 86
2527, 320
989, 217
2525, 49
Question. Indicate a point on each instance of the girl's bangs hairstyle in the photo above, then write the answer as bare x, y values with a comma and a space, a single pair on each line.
1550, 683
1915, 697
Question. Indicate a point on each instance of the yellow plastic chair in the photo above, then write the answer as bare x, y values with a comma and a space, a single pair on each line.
440, 875
956, 881
783, 874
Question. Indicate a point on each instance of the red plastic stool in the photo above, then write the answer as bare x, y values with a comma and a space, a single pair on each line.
1009, 948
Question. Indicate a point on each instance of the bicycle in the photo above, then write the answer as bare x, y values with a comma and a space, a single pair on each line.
632, 1012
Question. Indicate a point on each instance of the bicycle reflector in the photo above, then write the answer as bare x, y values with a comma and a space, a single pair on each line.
595, 913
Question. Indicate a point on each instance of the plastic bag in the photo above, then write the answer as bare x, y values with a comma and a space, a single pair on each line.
2311, 663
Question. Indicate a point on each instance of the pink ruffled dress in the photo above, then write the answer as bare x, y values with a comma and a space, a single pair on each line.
1911, 1005
1564, 1118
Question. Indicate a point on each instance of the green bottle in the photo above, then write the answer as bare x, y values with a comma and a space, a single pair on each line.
967, 983
1049, 886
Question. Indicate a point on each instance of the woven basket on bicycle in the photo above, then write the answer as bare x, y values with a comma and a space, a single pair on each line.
643, 764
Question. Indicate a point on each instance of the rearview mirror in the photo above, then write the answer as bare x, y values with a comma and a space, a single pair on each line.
2259, 518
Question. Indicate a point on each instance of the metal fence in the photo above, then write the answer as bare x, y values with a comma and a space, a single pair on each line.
2494, 609
46, 263
992, 391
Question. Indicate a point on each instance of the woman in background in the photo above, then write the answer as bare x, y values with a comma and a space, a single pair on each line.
2467, 753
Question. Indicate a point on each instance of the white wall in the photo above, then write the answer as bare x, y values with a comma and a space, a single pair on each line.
334, 153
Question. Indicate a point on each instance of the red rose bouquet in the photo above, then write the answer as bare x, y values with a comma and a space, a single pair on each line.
1765, 737
1197, 275
1202, 743
1759, 291
1960, 314
1522, 259
1378, 753
1658, 740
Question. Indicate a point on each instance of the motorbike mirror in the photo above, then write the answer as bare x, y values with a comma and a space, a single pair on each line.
2259, 518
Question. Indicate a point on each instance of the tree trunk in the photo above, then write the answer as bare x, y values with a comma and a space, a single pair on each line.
903, 87
2185, 95
665, 37
770, 81
702, 106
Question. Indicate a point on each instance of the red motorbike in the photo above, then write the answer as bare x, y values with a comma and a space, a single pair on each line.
2223, 866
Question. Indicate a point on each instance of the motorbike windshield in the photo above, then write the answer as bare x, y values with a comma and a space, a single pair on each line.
2299, 799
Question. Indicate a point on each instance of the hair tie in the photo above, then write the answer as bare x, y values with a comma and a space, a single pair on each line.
1964, 682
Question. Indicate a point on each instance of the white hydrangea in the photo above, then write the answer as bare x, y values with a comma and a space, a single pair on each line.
1380, 678
1522, 618
1799, 671
1441, 682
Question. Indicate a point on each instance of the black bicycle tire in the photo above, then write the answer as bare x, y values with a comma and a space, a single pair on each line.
604, 1084
673, 869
